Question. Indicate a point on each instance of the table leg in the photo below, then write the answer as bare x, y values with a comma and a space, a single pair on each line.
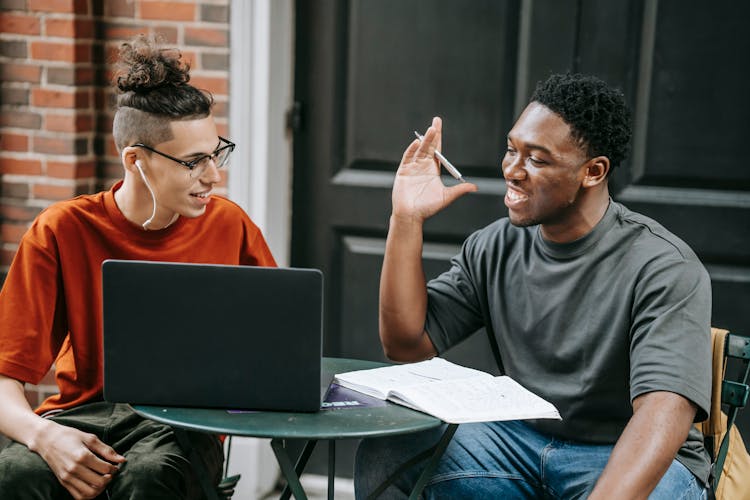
331, 466
292, 474
430, 467
433, 454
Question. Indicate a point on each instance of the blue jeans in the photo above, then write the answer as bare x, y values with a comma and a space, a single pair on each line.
501, 460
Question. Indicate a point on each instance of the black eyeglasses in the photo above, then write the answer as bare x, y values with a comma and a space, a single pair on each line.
200, 164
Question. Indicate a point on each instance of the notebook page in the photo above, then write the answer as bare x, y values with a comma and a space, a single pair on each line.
476, 400
378, 382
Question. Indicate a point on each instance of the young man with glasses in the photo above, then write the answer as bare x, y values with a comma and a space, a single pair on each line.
598, 309
50, 305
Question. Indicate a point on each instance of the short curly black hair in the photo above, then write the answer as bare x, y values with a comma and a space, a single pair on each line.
597, 114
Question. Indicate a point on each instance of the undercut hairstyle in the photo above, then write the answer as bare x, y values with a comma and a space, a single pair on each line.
152, 89
597, 114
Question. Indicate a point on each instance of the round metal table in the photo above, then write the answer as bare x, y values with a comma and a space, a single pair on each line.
329, 424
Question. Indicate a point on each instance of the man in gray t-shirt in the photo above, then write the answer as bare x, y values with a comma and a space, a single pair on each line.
597, 309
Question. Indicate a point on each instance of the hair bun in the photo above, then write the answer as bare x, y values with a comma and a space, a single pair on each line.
144, 66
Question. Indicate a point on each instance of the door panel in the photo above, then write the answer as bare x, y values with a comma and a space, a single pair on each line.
410, 61
369, 73
699, 107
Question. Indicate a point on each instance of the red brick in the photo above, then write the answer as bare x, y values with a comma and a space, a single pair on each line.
14, 48
111, 148
60, 145
54, 191
17, 72
211, 61
190, 57
121, 31
21, 24
60, 98
15, 190
70, 75
60, 27
206, 36
174, 11
111, 50
70, 6
214, 85
215, 13
167, 33
12, 232
111, 168
21, 119
18, 213
14, 142
61, 52
70, 28
219, 109
14, 95
118, 8
20, 166
104, 122
71, 170
13, 4
69, 123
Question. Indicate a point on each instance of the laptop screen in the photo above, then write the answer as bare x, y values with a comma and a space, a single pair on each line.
205, 335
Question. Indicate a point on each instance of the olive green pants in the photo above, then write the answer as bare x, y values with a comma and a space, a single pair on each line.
156, 466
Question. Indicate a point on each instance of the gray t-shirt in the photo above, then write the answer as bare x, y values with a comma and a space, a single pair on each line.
588, 325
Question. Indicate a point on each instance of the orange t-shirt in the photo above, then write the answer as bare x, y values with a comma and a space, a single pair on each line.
51, 302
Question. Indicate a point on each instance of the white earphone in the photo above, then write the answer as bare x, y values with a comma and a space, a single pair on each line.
153, 196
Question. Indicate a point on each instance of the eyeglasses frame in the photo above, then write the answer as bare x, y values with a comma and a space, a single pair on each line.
190, 165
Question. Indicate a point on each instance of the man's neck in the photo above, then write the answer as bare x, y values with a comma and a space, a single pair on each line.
583, 216
137, 207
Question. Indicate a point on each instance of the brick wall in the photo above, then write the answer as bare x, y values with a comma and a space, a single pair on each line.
55, 100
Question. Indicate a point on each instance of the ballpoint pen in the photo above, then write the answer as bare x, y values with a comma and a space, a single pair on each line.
448, 165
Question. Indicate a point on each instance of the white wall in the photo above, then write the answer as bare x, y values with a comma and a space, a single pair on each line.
260, 94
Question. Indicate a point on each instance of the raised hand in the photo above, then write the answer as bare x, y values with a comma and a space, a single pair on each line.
82, 463
418, 191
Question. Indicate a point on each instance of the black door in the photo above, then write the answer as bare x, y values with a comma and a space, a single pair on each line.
368, 73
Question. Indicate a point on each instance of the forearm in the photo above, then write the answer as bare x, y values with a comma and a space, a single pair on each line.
647, 446
403, 293
17, 420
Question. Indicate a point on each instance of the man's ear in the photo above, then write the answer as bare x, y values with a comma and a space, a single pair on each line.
129, 156
597, 169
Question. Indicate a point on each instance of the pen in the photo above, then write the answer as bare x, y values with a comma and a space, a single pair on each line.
448, 165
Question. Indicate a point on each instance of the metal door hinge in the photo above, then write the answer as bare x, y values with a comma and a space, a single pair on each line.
294, 117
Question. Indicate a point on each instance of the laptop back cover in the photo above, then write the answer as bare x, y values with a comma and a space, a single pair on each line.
217, 336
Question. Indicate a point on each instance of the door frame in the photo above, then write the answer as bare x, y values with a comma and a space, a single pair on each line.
261, 85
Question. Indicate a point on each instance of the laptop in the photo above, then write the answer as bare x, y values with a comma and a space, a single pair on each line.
213, 336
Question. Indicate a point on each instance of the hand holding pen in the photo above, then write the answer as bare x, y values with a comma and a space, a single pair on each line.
447, 164
418, 190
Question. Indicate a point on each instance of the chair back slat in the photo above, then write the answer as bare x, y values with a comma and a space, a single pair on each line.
738, 347
734, 394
